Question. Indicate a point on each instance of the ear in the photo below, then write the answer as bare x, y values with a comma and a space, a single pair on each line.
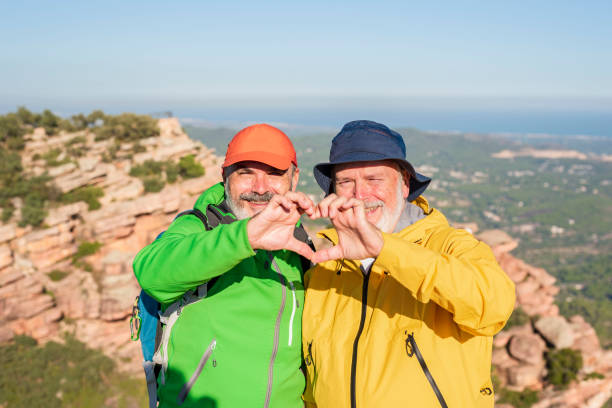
295, 178
405, 184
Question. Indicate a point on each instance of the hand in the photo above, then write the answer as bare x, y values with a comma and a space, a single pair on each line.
357, 237
272, 228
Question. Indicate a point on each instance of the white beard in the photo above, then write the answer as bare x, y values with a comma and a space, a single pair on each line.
240, 212
388, 220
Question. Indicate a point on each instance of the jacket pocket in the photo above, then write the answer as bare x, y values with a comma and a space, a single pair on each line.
413, 351
194, 377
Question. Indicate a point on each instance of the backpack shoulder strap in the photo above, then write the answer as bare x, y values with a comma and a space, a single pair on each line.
301, 235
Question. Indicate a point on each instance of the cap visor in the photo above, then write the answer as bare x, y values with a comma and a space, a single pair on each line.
271, 159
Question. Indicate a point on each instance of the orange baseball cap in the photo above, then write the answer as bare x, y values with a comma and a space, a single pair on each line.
261, 143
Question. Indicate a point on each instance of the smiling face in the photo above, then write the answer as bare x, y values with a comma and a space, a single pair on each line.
250, 186
379, 184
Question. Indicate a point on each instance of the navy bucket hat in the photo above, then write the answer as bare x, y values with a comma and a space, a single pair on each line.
364, 140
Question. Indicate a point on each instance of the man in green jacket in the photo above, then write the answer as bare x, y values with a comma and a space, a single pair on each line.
232, 294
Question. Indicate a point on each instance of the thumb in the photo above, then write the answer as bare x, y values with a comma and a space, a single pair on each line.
323, 255
300, 248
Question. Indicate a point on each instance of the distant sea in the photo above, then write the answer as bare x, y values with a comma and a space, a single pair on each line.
560, 123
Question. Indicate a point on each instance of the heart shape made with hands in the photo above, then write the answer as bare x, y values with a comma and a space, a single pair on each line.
272, 228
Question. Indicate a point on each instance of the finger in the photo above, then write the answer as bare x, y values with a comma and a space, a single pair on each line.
333, 207
359, 210
324, 205
300, 248
351, 203
306, 205
286, 203
323, 255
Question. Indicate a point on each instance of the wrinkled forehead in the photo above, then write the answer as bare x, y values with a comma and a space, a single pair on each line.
386, 167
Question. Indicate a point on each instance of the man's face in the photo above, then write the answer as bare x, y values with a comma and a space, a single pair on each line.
251, 185
379, 184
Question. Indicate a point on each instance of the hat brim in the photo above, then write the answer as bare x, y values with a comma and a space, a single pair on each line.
275, 160
418, 182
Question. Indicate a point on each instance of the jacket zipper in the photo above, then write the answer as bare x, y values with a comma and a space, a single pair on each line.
189, 384
414, 350
295, 306
364, 305
276, 330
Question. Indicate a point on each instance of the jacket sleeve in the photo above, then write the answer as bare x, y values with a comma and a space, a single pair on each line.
463, 277
187, 255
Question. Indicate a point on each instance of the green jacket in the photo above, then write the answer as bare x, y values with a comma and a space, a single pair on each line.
240, 345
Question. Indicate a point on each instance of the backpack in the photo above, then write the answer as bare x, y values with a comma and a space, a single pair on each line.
147, 318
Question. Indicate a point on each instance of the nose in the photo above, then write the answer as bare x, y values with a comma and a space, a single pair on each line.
362, 190
260, 183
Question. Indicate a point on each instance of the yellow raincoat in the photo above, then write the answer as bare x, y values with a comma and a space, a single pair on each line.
431, 302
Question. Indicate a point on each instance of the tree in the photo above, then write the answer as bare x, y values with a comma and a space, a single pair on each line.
563, 366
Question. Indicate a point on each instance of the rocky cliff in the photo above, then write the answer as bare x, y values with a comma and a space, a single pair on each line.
43, 292
519, 351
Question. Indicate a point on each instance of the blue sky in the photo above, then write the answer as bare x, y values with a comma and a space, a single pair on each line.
137, 55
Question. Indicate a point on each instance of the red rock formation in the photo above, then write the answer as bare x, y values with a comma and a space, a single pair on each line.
518, 354
95, 305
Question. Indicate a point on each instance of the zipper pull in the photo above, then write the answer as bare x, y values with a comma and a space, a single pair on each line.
409, 340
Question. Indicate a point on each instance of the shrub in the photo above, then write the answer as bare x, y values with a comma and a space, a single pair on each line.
89, 194
56, 275
563, 366
26, 117
7, 212
11, 132
153, 184
127, 127
189, 168
53, 375
172, 172
138, 148
50, 122
76, 140
86, 249
517, 318
148, 168
96, 116
51, 157
33, 211
10, 169
594, 375
518, 399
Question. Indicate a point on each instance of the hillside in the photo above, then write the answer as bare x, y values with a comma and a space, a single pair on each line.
556, 201
81, 196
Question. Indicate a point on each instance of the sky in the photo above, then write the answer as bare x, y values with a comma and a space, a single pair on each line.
73, 56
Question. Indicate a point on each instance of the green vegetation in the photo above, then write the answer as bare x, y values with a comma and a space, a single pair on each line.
563, 366
37, 193
56, 275
148, 168
517, 318
518, 399
189, 168
153, 185
155, 174
63, 375
586, 290
126, 127
88, 194
86, 249
594, 376
52, 158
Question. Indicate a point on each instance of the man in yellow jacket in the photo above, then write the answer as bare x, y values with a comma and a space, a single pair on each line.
401, 310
